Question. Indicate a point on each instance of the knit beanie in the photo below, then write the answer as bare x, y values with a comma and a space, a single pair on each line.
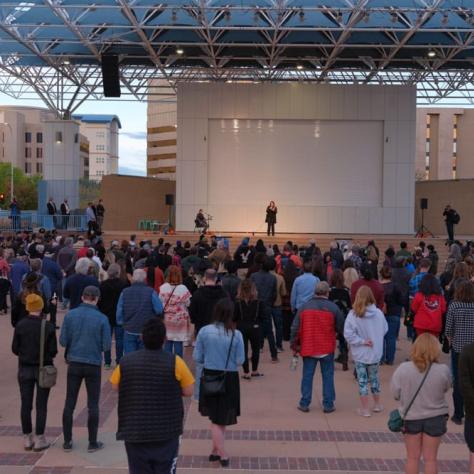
34, 303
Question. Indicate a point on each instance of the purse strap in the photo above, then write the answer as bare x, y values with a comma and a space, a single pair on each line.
228, 352
42, 337
418, 391
168, 300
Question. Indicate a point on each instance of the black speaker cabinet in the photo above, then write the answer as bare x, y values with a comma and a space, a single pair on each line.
110, 76
169, 199
424, 203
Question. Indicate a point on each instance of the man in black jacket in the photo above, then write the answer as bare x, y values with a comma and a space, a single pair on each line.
151, 383
204, 300
466, 386
451, 217
110, 291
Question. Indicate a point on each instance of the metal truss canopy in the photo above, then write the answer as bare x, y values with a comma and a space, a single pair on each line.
53, 48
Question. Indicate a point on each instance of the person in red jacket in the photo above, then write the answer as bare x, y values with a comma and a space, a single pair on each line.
428, 307
313, 335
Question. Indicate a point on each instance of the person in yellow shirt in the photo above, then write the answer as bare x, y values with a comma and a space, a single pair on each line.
151, 384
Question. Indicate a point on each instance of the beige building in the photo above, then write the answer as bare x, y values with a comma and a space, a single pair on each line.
161, 132
444, 143
22, 137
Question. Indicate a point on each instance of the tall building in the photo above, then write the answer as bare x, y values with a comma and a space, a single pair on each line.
102, 131
444, 143
161, 131
22, 137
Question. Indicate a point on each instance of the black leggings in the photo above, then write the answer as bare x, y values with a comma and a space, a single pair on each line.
270, 228
252, 335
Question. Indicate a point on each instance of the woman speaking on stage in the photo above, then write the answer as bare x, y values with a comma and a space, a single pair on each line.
271, 217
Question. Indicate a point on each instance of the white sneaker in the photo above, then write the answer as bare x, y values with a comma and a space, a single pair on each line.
28, 442
377, 409
40, 444
363, 412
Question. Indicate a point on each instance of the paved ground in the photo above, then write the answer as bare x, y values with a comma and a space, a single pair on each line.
271, 436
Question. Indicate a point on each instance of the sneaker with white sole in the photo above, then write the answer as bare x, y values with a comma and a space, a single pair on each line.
41, 444
28, 442
364, 412
377, 409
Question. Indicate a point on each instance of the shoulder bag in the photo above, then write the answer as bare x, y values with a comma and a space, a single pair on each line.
168, 300
395, 419
47, 373
213, 385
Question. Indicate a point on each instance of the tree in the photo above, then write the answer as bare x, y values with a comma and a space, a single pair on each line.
25, 187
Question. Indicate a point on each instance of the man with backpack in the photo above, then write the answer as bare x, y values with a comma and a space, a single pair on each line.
451, 217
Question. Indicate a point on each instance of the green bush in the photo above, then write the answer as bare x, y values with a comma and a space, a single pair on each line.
25, 187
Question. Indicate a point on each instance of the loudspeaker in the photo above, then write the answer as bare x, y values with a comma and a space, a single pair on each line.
169, 199
110, 76
424, 203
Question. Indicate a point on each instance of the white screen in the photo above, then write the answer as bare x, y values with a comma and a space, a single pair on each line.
295, 162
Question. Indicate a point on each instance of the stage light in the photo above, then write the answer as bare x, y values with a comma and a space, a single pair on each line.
59, 137
445, 19
179, 51
174, 15
339, 16
366, 17
66, 62
394, 18
299, 67
301, 16
431, 53
227, 15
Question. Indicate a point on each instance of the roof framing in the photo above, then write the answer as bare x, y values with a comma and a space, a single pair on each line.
53, 48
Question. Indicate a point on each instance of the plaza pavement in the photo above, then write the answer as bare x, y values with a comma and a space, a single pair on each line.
272, 436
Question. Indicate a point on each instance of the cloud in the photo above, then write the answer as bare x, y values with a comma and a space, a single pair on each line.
132, 154
131, 171
134, 135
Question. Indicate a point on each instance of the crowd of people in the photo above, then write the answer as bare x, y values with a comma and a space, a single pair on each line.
151, 301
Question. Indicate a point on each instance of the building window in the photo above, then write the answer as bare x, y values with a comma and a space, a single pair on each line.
100, 160
39, 137
428, 146
99, 173
39, 153
28, 137
76, 138
27, 152
100, 134
39, 168
27, 168
99, 147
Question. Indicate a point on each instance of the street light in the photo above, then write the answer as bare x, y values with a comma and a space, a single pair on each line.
11, 161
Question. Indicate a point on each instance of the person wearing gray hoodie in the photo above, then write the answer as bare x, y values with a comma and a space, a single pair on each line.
364, 331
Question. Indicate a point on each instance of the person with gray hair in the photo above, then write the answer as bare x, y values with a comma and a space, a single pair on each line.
44, 284
75, 284
313, 336
136, 305
110, 291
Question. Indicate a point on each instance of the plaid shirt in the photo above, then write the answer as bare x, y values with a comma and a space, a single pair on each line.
460, 324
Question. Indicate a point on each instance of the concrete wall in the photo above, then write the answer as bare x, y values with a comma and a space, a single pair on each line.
459, 193
128, 199
393, 107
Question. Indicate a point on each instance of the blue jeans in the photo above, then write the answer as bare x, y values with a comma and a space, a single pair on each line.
457, 397
277, 317
327, 372
174, 347
390, 342
132, 342
117, 331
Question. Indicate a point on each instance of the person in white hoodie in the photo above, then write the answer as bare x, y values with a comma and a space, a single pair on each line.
364, 330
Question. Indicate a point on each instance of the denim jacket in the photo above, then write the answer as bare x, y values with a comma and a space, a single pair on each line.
85, 334
212, 345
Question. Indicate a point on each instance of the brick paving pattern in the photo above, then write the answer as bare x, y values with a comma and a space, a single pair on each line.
13, 430
19, 459
316, 464
324, 436
51, 470
107, 404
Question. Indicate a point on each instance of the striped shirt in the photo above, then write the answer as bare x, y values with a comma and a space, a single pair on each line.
460, 324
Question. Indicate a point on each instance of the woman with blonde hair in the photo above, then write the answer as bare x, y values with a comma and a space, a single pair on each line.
364, 330
425, 413
248, 315
350, 276
176, 299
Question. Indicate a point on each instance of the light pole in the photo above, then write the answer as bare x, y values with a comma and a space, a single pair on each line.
11, 162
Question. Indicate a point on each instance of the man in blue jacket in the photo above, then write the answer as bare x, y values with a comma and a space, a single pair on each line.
51, 270
137, 304
86, 335
75, 284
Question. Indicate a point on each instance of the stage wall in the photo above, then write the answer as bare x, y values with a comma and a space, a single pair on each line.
334, 158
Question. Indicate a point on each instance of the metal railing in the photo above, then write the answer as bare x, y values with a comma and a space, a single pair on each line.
30, 220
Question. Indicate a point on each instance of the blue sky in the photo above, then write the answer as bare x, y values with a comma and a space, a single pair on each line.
132, 141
